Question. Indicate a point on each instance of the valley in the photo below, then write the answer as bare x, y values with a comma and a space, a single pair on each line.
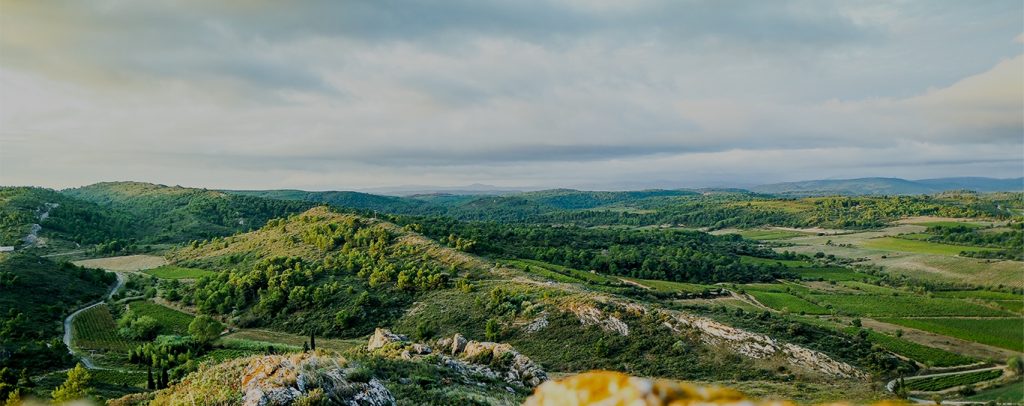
842, 297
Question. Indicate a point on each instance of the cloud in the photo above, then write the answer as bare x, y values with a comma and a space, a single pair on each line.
330, 94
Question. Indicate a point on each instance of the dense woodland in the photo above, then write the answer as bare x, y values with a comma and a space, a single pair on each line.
675, 255
35, 295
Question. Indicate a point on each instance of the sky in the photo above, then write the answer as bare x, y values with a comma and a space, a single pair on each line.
338, 95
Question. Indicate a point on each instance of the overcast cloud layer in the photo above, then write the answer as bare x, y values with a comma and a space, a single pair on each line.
586, 93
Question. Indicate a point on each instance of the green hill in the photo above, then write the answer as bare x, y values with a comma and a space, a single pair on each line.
62, 217
35, 295
161, 213
342, 275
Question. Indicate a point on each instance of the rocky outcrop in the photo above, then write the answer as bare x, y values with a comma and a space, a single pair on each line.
760, 346
507, 363
382, 337
590, 315
278, 380
467, 357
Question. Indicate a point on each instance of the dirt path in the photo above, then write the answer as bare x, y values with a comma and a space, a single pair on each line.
32, 239
951, 344
71, 318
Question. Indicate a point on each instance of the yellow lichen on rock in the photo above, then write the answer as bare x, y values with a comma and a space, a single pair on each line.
606, 388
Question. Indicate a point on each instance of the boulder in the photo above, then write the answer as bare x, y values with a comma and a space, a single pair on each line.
458, 344
382, 337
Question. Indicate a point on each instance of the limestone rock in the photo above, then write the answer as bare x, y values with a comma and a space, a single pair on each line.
458, 344
382, 337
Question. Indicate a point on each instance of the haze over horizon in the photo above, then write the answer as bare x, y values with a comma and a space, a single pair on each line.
536, 94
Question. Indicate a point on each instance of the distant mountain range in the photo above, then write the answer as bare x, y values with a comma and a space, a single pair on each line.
890, 186
856, 186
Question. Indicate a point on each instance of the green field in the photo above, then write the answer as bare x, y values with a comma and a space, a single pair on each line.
945, 382
980, 294
116, 377
671, 287
171, 321
95, 329
1004, 333
1009, 393
177, 272
920, 353
788, 302
948, 224
789, 263
904, 305
833, 273
768, 234
920, 247
588, 277
871, 289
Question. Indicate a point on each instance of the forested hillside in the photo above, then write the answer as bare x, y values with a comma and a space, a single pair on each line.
35, 295
174, 214
62, 217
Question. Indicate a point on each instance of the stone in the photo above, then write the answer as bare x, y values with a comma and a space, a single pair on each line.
458, 344
382, 337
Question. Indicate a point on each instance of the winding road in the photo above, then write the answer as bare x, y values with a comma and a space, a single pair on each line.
71, 318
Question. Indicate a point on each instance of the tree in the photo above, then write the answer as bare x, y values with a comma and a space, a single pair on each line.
312, 341
149, 378
75, 387
1016, 364
14, 398
205, 329
491, 330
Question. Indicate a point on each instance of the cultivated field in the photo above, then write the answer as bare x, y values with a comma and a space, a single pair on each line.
95, 329
1005, 333
177, 272
171, 321
124, 263
919, 247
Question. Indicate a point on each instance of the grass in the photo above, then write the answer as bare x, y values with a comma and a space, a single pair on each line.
1009, 393
177, 272
920, 353
947, 224
124, 263
669, 286
260, 338
171, 321
769, 234
980, 294
116, 377
588, 277
870, 289
920, 247
904, 305
949, 381
95, 329
833, 274
789, 263
1004, 333
788, 302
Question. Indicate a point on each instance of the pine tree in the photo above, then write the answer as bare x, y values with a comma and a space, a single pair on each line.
312, 341
164, 379
75, 387
149, 378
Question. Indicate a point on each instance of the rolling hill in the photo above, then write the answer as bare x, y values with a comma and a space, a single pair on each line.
890, 186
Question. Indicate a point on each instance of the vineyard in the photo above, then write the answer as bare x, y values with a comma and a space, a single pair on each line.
950, 381
1000, 332
924, 354
171, 321
95, 329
